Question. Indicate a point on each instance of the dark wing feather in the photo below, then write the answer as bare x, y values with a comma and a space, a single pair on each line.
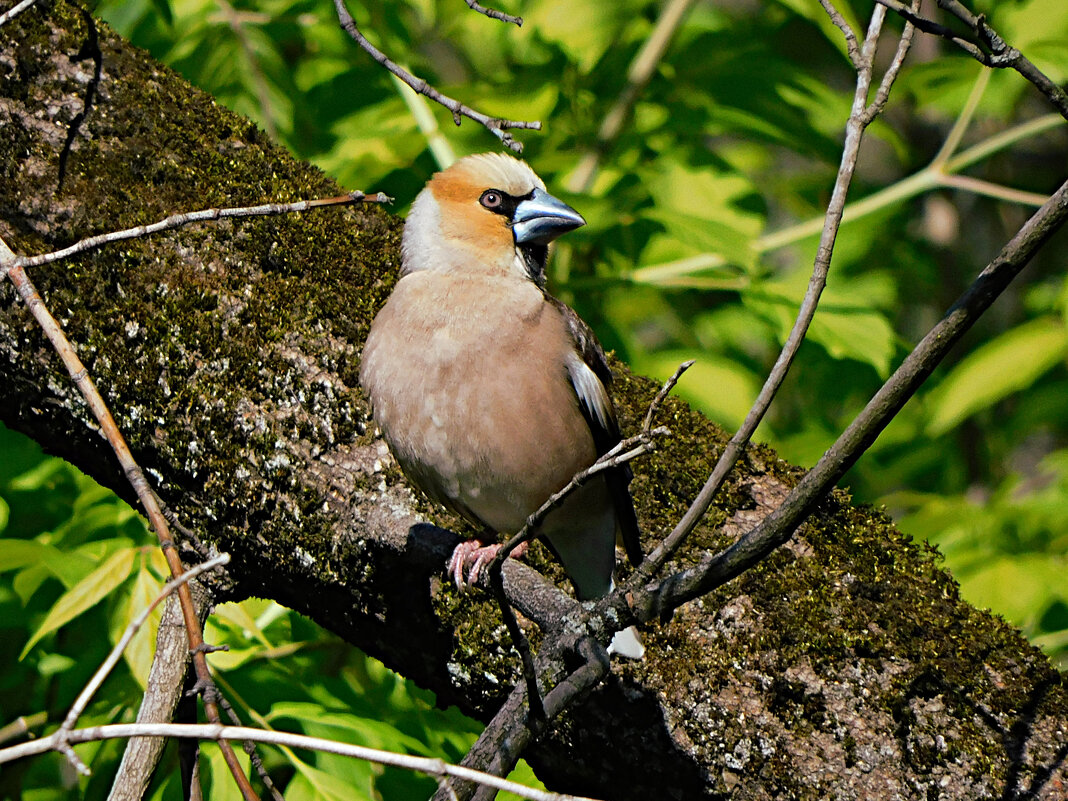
591, 378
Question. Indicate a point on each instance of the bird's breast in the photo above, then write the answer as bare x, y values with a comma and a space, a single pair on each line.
468, 383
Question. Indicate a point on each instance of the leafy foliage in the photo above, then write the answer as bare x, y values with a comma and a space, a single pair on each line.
75, 562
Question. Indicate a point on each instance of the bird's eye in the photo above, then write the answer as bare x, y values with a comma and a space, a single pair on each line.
491, 199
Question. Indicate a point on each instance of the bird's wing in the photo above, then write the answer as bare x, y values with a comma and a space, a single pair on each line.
590, 377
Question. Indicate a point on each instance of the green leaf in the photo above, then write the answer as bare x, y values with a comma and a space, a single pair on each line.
719, 387
1009, 363
17, 554
39, 477
84, 595
582, 29
53, 664
848, 323
312, 784
1017, 586
318, 721
142, 648
221, 786
863, 336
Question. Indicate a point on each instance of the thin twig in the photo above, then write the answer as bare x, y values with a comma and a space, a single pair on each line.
494, 13
21, 725
507, 735
665, 390
852, 48
87, 693
778, 526
928, 26
536, 717
163, 700
498, 127
623, 452
882, 94
13, 12
855, 127
136, 477
220, 733
977, 186
985, 46
178, 220
252, 753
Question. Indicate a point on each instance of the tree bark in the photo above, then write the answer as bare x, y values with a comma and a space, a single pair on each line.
846, 666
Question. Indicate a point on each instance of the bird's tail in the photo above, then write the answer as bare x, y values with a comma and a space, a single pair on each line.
627, 643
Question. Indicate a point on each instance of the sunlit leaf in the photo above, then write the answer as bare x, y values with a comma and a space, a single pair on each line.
1008, 364
863, 336
320, 722
52, 664
15, 554
1016, 586
84, 595
220, 785
722, 389
142, 648
313, 784
40, 476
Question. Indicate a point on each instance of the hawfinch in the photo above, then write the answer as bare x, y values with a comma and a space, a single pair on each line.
490, 392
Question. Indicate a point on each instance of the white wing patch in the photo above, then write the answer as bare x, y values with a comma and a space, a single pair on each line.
591, 392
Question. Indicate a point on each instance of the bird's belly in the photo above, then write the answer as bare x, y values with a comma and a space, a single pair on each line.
487, 426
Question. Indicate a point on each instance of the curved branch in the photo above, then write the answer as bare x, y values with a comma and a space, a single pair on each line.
226, 734
860, 117
777, 527
498, 127
493, 13
985, 46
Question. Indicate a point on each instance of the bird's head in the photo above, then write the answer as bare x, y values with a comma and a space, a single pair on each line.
490, 211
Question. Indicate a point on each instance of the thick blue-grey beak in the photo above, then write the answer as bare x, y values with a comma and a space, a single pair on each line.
542, 218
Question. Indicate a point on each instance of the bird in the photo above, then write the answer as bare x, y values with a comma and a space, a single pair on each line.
490, 392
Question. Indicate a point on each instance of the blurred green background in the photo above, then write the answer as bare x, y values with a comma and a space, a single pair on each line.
703, 214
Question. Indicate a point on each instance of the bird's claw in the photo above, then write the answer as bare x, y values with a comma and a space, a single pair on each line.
470, 557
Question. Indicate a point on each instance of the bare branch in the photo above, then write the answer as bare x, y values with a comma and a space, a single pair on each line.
496, 126
665, 390
858, 121
162, 700
883, 93
178, 220
136, 477
623, 452
777, 527
13, 12
985, 46
21, 725
851, 38
494, 13
538, 717
220, 733
87, 693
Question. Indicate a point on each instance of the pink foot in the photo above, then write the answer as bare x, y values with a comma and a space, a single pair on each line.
470, 557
